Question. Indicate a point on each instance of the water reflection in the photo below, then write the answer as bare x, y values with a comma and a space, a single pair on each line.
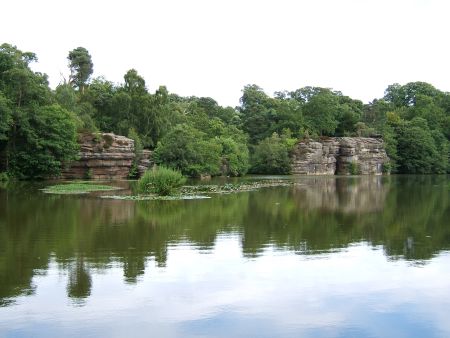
406, 216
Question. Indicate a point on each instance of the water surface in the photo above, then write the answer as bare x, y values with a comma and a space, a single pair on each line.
326, 257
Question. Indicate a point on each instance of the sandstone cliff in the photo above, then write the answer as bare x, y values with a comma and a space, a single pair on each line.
339, 155
105, 156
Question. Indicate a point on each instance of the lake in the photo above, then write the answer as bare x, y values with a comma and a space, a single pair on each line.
325, 257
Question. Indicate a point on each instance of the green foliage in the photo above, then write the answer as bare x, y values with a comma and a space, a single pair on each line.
77, 188
416, 148
198, 136
88, 174
187, 149
235, 157
5, 117
270, 156
66, 97
81, 67
45, 141
138, 148
262, 115
390, 145
386, 168
4, 177
162, 181
320, 112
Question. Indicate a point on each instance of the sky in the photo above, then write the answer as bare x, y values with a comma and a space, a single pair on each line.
216, 47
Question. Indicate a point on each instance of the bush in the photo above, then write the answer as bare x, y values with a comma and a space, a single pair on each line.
161, 181
386, 168
235, 157
271, 157
189, 150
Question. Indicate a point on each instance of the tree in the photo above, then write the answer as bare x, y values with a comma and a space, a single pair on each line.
255, 110
81, 67
320, 112
271, 156
45, 141
349, 113
416, 149
235, 157
187, 149
5, 117
134, 83
407, 95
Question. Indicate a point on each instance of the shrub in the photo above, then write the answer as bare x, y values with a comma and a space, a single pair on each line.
235, 157
271, 156
161, 181
386, 168
188, 149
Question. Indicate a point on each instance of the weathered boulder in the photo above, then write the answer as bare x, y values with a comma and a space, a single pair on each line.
339, 155
104, 156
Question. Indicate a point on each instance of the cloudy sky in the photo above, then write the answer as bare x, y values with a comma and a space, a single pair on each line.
215, 47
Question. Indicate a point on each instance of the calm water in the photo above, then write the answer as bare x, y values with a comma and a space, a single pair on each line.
327, 257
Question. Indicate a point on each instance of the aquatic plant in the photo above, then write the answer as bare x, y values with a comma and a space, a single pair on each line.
77, 188
161, 181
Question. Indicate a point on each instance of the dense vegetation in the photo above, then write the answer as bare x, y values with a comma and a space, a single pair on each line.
39, 126
162, 181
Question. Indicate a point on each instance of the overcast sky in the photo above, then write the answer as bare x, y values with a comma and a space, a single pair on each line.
215, 47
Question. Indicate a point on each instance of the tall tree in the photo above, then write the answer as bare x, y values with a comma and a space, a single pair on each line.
256, 109
81, 67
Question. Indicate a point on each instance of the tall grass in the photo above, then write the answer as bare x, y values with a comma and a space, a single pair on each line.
162, 181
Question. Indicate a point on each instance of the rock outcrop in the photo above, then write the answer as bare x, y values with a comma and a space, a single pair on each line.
339, 155
315, 158
105, 156
145, 162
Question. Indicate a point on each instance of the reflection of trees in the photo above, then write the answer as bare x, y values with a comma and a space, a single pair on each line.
80, 281
406, 215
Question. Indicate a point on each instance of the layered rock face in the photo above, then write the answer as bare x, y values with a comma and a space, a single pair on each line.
339, 155
315, 158
105, 156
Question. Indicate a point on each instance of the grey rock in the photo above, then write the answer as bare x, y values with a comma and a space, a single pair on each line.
339, 156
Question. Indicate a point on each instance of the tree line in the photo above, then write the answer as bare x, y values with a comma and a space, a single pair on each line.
39, 126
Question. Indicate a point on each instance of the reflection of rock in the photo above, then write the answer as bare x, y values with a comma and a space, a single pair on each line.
339, 155
365, 194
105, 156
